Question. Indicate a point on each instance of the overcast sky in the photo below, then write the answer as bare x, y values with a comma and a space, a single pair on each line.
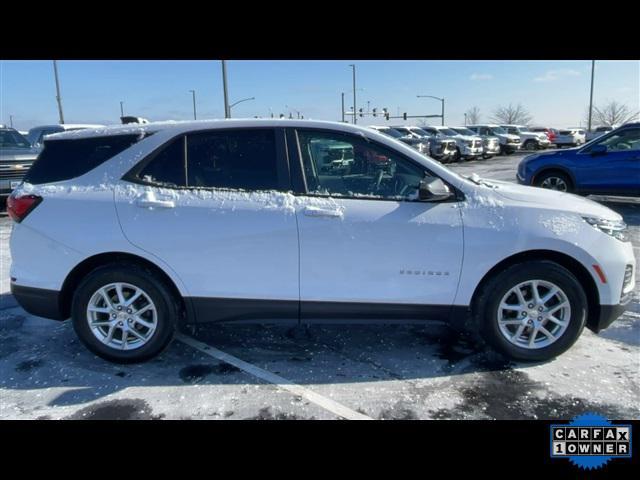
555, 93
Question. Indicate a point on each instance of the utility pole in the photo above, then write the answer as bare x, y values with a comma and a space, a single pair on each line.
465, 119
121, 108
193, 93
355, 109
11, 121
342, 109
55, 73
593, 67
227, 110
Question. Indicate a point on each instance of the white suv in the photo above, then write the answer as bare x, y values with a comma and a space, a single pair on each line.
469, 146
530, 140
131, 231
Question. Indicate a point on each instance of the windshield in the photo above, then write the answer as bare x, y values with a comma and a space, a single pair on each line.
12, 139
419, 131
448, 131
499, 130
464, 131
392, 132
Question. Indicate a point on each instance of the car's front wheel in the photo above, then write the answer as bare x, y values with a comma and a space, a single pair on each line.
123, 313
554, 181
530, 145
532, 311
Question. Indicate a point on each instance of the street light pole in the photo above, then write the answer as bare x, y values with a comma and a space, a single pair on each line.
465, 119
193, 93
436, 98
236, 103
342, 109
11, 121
121, 108
227, 108
58, 98
593, 67
355, 109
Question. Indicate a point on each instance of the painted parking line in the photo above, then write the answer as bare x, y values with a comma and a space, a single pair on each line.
281, 382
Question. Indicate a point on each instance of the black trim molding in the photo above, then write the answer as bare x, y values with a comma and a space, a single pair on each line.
39, 301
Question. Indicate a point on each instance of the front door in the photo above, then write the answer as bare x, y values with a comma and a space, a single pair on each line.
368, 247
617, 170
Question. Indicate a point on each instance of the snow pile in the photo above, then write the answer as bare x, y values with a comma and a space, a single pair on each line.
561, 224
61, 188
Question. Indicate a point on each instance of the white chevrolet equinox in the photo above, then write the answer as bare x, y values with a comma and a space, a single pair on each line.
131, 231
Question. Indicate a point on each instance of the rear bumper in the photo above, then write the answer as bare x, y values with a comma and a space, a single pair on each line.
39, 301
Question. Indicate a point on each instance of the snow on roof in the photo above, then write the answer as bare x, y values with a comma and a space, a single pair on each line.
192, 125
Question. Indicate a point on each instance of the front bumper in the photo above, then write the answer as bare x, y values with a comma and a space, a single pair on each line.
39, 301
608, 315
471, 151
510, 147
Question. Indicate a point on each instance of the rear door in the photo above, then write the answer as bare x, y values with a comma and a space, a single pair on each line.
212, 206
617, 171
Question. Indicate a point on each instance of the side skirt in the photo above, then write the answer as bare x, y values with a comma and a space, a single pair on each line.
206, 310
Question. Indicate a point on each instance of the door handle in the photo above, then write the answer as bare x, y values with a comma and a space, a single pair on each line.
150, 201
322, 212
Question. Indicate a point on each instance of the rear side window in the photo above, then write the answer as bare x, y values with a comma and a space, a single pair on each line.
66, 159
236, 159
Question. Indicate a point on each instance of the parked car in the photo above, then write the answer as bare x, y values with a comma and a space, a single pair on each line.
442, 149
420, 144
192, 222
37, 134
490, 145
548, 131
530, 140
570, 137
469, 147
16, 157
608, 165
508, 143
598, 131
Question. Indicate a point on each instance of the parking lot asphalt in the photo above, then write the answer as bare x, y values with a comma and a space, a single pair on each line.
323, 372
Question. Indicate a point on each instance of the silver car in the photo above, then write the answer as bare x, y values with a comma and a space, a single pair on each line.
490, 143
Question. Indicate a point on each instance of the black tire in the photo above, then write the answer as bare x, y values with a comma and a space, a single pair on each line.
530, 145
167, 307
486, 307
458, 156
562, 176
487, 157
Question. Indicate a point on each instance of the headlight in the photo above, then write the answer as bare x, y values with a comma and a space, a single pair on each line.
615, 228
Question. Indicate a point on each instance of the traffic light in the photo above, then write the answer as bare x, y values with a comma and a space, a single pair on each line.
404, 116
375, 110
386, 113
360, 110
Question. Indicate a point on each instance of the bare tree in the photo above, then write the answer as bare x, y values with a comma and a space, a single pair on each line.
473, 115
510, 114
610, 114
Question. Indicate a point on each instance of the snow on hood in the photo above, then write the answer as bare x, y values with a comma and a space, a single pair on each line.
554, 199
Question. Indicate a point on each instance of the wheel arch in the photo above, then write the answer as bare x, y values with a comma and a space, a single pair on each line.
554, 168
574, 266
80, 271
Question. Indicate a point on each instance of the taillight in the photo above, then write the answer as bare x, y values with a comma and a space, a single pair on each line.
18, 207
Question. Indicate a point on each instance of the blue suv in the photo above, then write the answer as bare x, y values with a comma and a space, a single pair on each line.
608, 165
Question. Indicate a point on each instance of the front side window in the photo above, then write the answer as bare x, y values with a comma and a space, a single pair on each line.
342, 165
230, 159
624, 140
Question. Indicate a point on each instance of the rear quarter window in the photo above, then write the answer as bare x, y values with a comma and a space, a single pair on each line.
66, 159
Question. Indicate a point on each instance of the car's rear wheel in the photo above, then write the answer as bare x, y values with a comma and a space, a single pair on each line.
123, 313
554, 181
532, 311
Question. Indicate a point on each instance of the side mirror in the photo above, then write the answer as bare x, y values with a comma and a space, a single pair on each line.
598, 150
433, 190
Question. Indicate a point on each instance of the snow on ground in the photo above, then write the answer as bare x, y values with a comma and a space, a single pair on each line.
384, 372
